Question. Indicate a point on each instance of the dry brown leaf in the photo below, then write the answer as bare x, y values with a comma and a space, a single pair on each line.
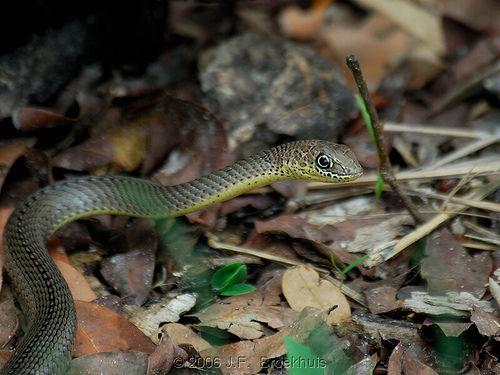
5, 212
181, 334
449, 267
403, 360
10, 151
302, 287
8, 317
376, 43
78, 285
130, 274
480, 15
301, 24
487, 324
103, 330
4, 357
32, 118
166, 310
246, 357
244, 315
129, 143
113, 363
382, 299
166, 355
422, 24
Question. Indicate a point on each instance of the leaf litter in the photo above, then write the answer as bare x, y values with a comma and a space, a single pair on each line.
330, 263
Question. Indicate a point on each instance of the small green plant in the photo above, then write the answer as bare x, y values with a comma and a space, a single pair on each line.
228, 280
354, 263
301, 360
368, 122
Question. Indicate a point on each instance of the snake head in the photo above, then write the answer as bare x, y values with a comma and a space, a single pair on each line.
323, 161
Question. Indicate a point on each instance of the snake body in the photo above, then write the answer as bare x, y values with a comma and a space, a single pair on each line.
42, 292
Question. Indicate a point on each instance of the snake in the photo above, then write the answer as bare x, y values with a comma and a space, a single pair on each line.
42, 293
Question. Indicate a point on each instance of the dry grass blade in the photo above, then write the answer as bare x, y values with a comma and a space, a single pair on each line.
432, 130
215, 244
466, 150
481, 204
432, 224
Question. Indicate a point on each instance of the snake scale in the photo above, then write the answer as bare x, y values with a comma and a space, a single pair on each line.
41, 290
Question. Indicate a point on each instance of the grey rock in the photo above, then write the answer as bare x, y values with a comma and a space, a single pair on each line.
255, 83
35, 72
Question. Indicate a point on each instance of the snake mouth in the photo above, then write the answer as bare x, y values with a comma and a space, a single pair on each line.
350, 176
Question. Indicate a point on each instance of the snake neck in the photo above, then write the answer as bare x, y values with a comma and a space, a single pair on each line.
262, 169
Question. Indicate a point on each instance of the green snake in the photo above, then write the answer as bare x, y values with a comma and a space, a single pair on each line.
42, 292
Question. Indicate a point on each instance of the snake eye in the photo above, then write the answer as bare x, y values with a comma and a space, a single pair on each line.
323, 161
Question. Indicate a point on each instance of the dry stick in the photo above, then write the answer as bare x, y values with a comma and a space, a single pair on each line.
433, 130
385, 166
466, 150
429, 226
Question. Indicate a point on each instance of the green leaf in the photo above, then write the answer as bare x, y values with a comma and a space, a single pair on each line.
301, 360
354, 263
237, 290
366, 116
379, 186
228, 275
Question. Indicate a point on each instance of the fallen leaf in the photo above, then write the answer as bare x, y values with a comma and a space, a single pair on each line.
487, 323
182, 335
302, 287
201, 143
246, 357
122, 146
258, 202
129, 142
294, 226
382, 299
4, 356
103, 330
449, 267
8, 317
452, 328
423, 24
149, 319
494, 289
166, 355
31, 118
450, 304
113, 363
365, 366
5, 212
301, 24
403, 360
78, 285
480, 15
10, 151
130, 274
375, 39
244, 315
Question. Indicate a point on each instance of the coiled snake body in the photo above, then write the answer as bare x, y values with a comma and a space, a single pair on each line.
42, 292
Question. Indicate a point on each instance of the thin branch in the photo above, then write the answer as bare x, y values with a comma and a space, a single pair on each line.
383, 156
435, 130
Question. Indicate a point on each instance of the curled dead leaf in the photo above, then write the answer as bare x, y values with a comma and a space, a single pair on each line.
302, 287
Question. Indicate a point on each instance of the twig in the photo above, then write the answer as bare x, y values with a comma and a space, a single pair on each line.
433, 130
432, 224
385, 166
213, 242
466, 150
